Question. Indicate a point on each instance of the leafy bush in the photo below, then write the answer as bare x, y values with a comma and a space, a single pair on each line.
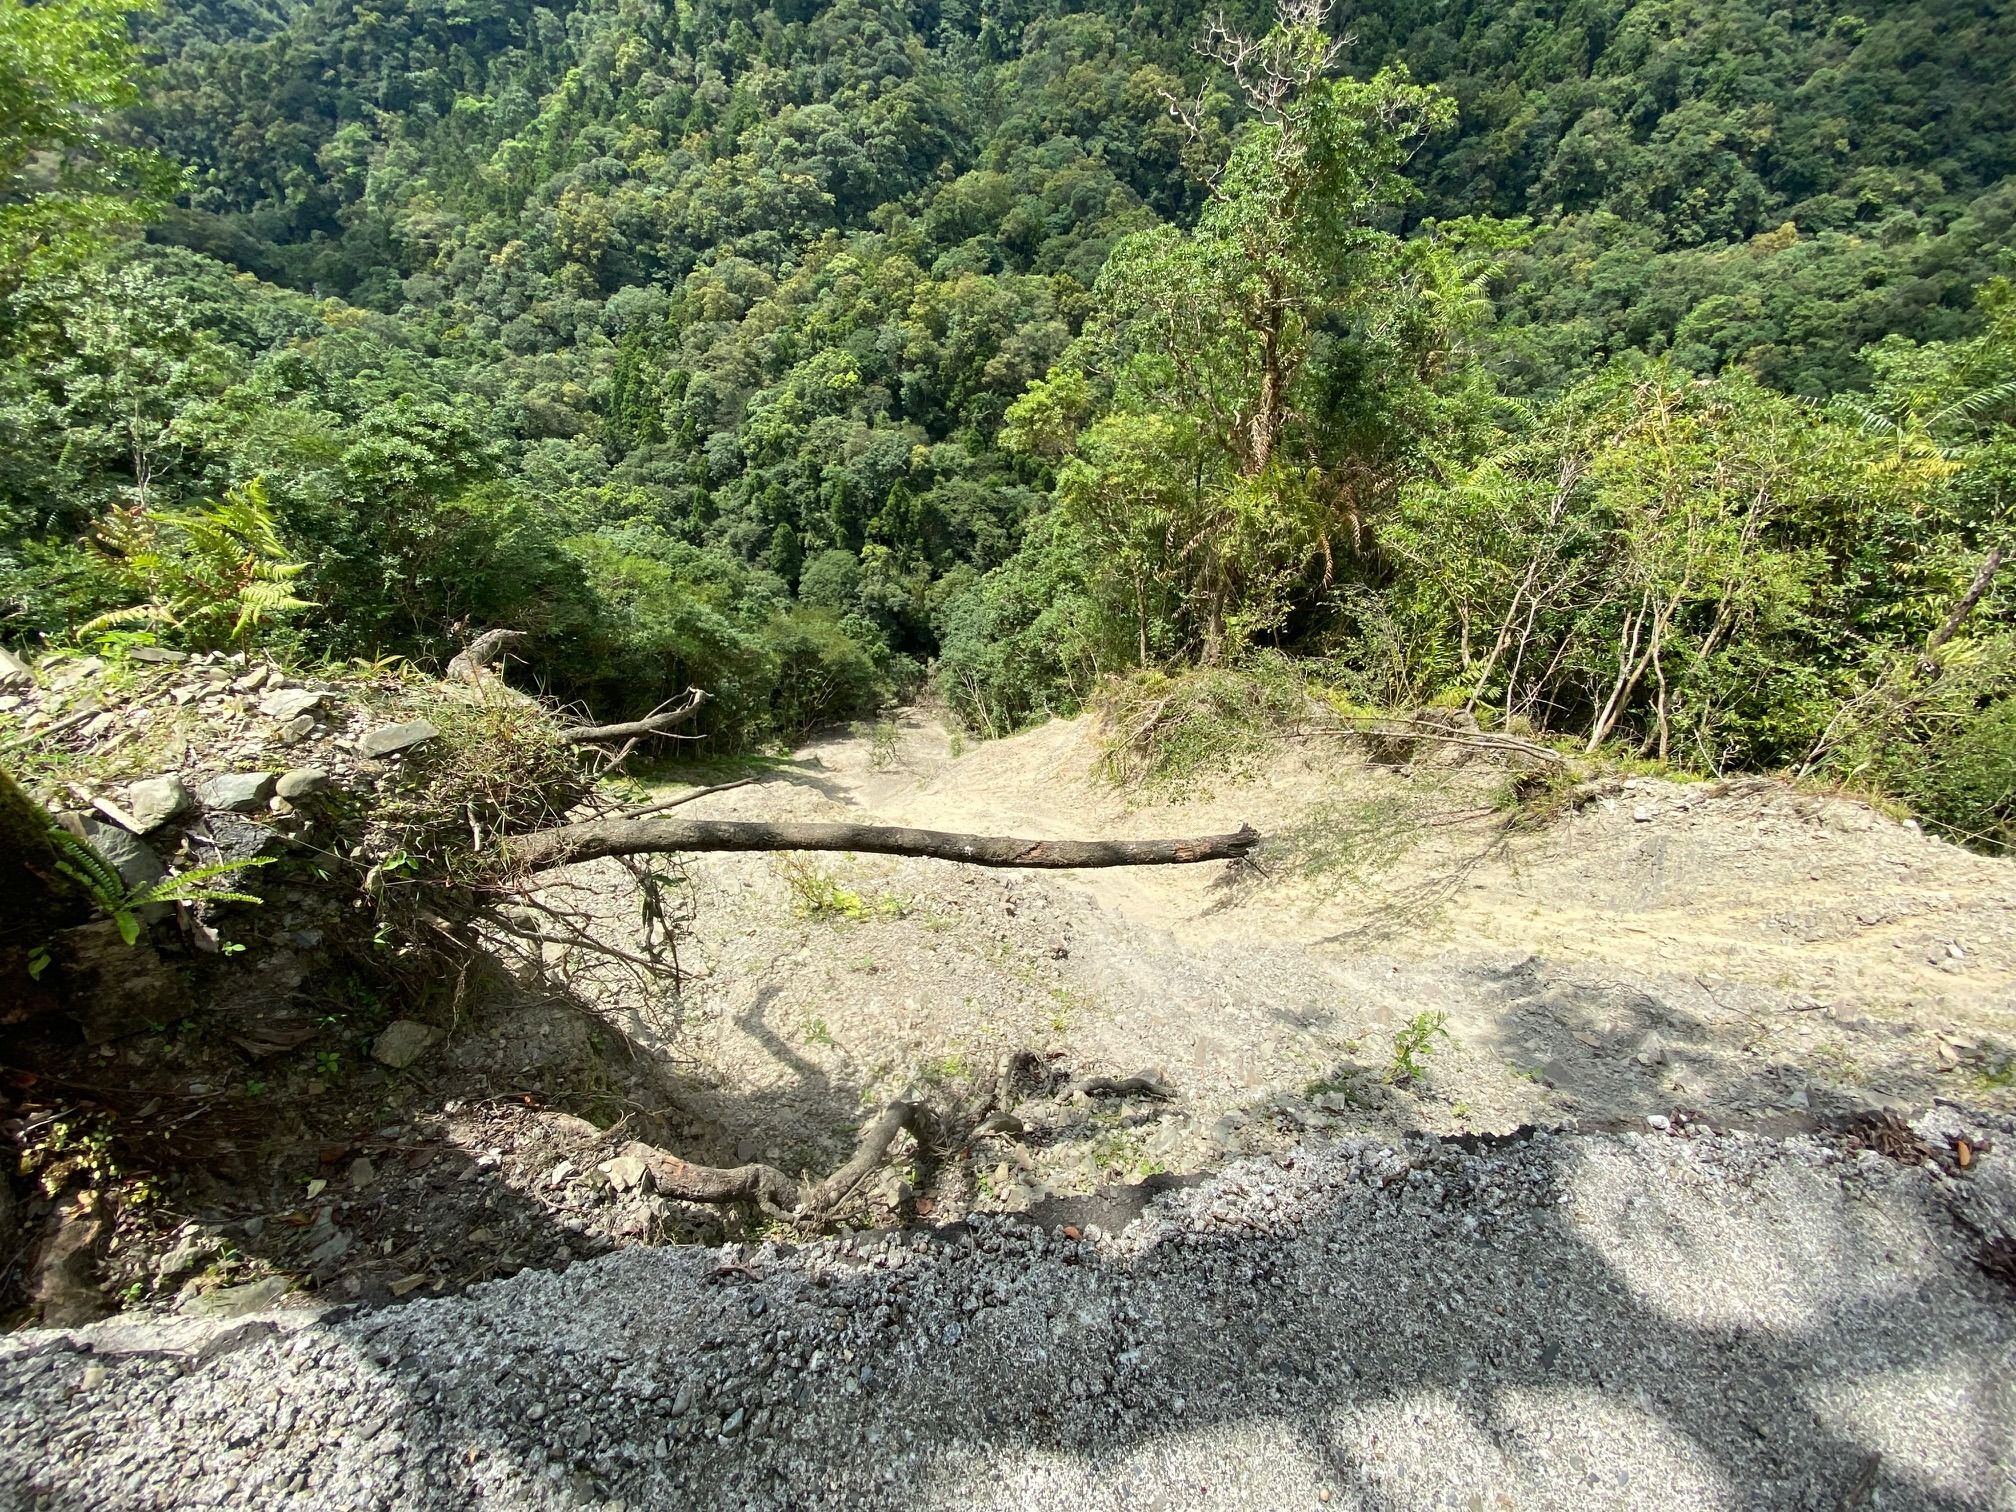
1170, 731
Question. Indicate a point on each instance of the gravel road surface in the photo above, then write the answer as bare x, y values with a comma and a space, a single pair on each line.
1669, 1319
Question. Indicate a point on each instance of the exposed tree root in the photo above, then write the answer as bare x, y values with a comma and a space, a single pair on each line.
1143, 1085
936, 1133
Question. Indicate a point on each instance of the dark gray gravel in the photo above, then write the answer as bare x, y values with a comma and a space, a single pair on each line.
1666, 1320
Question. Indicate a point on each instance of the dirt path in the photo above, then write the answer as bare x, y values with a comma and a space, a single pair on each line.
1736, 949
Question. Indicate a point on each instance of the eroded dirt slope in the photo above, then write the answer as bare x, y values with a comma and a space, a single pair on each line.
1738, 949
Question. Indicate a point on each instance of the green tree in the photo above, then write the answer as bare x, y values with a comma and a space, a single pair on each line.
68, 176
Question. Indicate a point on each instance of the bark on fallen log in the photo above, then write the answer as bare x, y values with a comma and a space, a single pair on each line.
567, 844
474, 662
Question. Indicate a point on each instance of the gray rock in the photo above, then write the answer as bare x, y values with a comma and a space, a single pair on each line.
290, 703
389, 740
626, 1172
153, 801
297, 729
402, 1042
130, 856
160, 656
235, 838
305, 782
236, 792
14, 674
192, 1254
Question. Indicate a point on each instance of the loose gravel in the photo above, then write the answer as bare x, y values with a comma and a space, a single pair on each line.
1671, 1319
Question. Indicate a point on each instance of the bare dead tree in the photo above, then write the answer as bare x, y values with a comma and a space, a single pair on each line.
1964, 606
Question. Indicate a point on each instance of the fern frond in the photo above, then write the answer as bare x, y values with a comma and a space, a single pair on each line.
188, 886
81, 861
138, 614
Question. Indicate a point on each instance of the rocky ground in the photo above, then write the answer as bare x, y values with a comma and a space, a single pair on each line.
1762, 957
1731, 1276
1674, 1318
1738, 949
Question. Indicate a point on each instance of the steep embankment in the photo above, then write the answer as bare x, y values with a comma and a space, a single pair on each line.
1340, 1312
1737, 949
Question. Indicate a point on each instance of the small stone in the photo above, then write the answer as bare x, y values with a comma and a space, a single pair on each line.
388, 740
1641, 815
118, 816
305, 782
136, 864
1658, 1121
330, 1250
734, 1422
1653, 1051
236, 792
153, 801
626, 1172
252, 681
362, 1173
192, 1254
297, 729
290, 703
14, 674
402, 1042
159, 656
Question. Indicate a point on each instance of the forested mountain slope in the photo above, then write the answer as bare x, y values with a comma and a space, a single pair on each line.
688, 339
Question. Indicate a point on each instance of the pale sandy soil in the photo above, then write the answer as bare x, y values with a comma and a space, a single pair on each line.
1737, 949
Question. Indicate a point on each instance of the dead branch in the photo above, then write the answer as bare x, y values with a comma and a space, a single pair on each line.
1482, 740
473, 662
670, 803
770, 1188
654, 723
1990, 565
590, 839
868, 1155
1144, 1085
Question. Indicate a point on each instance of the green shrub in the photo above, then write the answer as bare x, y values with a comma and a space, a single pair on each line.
1170, 731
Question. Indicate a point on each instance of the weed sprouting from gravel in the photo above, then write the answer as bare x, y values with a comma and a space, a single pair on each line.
1414, 1043
816, 893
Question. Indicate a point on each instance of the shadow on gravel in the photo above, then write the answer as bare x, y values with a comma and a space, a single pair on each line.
1527, 1326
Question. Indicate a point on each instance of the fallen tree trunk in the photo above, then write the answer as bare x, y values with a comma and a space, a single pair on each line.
566, 844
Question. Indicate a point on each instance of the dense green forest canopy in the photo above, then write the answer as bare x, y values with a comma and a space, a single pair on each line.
1638, 370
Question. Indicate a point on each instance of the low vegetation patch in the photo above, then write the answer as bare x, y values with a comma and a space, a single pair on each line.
1167, 732
1414, 1043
